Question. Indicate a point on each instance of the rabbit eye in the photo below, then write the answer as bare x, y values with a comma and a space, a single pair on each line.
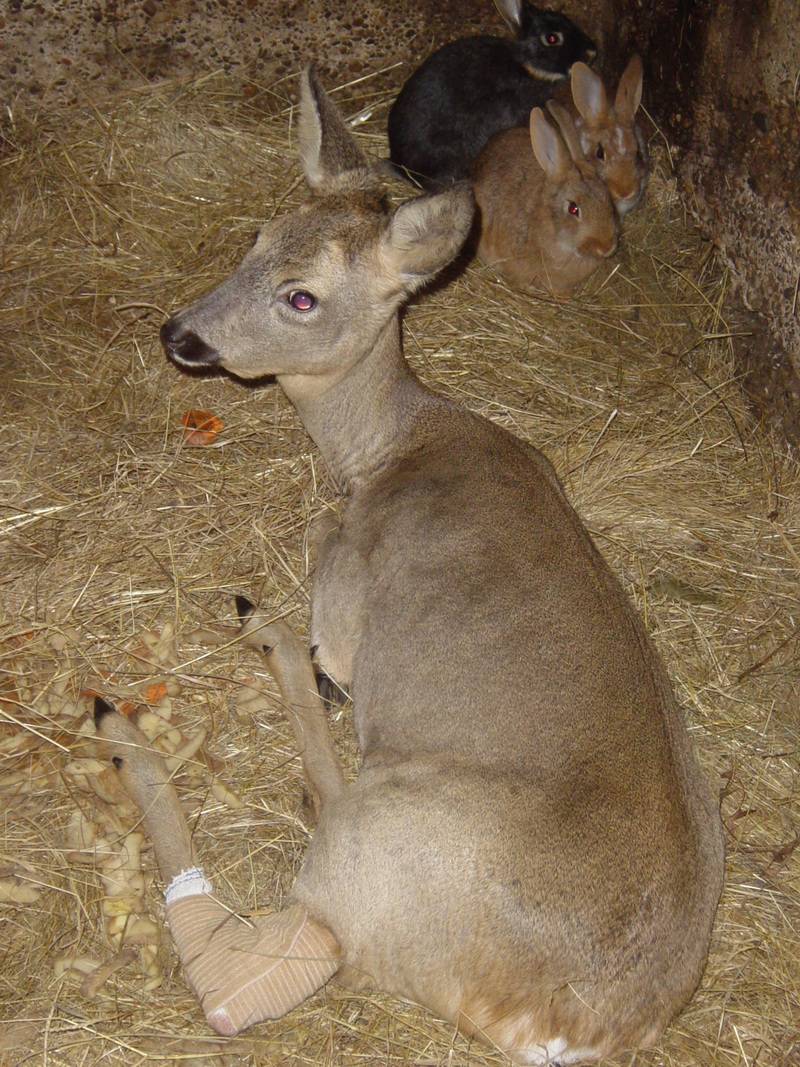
573, 209
301, 301
553, 39
600, 153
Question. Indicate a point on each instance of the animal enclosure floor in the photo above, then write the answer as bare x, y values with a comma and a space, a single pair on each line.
122, 535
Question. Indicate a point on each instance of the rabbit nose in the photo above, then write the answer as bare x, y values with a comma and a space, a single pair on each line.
623, 193
601, 248
611, 247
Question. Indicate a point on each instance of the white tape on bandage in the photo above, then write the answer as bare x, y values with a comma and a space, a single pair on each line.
191, 883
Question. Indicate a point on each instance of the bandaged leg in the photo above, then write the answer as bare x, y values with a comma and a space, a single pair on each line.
246, 971
241, 971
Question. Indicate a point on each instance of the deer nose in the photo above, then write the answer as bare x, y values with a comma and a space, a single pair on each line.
184, 346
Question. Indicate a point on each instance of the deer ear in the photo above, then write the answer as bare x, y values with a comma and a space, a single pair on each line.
331, 159
425, 234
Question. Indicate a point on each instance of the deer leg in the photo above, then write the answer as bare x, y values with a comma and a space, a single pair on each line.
246, 971
332, 694
323, 532
290, 665
241, 971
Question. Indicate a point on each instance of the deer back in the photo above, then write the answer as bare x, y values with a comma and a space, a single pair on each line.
529, 849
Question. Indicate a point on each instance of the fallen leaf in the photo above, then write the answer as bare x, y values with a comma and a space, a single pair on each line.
780, 855
16, 891
200, 427
155, 692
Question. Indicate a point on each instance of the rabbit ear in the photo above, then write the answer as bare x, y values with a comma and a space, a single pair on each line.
589, 95
511, 12
548, 147
331, 159
568, 131
629, 90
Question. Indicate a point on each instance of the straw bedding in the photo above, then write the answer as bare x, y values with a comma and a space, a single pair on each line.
119, 538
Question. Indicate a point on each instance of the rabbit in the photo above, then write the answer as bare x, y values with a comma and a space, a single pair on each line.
475, 86
546, 218
609, 135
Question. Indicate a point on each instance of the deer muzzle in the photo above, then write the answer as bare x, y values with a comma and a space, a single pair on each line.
185, 347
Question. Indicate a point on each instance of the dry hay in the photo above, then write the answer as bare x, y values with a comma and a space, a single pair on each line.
119, 538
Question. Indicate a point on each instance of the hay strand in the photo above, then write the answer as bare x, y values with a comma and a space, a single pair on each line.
119, 539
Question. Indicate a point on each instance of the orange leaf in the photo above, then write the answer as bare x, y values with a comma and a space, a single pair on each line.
18, 640
200, 427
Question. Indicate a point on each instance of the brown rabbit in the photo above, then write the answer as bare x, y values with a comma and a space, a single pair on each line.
609, 135
546, 218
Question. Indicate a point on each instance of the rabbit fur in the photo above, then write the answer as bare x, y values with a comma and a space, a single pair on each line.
609, 135
546, 219
475, 86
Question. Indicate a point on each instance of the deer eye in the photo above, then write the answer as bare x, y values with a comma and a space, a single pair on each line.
553, 39
301, 301
573, 209
600, 153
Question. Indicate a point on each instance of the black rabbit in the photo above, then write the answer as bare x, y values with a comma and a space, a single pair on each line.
476, 86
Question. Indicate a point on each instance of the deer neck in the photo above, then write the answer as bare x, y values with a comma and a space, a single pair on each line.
363, 420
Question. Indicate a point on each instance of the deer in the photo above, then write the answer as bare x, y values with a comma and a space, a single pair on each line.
530, 849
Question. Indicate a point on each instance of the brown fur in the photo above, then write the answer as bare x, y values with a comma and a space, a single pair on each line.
530, 849
148, 784
527, 185
609, 134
